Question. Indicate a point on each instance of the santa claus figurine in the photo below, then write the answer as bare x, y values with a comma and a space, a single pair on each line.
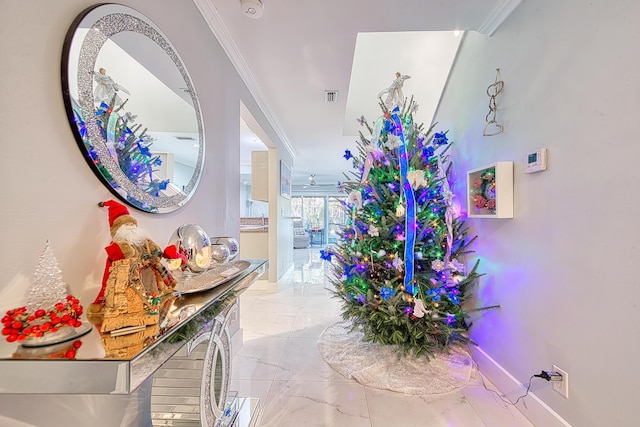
129, 243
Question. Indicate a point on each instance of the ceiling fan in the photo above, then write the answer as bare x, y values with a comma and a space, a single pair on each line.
312, 181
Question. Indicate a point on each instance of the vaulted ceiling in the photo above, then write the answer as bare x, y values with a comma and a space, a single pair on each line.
298, 49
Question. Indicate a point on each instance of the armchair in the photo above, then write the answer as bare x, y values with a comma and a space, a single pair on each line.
301, 238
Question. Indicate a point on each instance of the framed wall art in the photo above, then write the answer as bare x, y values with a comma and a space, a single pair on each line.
490, 191
285, 180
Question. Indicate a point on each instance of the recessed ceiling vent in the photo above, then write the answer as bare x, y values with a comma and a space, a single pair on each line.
185, 138
330, 96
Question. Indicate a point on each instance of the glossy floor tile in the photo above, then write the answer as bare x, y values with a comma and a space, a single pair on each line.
280, 364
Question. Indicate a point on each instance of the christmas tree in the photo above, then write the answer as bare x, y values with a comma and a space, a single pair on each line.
398, 266
47, 287
128, 144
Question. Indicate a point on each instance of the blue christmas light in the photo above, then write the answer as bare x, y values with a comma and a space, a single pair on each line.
347, 155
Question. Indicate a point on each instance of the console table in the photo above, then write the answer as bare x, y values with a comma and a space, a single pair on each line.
188, 362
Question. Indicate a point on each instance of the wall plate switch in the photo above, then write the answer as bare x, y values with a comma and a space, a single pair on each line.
561, 387
536, 161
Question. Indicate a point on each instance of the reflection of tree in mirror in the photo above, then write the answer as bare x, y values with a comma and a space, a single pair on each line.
129, 147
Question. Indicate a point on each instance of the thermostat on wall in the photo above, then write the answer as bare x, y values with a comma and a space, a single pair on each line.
536, 161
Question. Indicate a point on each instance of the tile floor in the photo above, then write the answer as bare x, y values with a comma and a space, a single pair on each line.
280, 364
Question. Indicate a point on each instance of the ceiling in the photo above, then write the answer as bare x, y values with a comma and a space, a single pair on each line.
298, 49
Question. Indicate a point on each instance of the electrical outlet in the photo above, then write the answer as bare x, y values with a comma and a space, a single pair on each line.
561, 387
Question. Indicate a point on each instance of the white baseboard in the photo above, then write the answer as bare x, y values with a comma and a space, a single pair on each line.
264, 285
259, 285
536, 411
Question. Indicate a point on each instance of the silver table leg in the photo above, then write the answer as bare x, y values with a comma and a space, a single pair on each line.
192, 387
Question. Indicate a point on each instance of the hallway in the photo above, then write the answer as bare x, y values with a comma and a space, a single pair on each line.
280, 364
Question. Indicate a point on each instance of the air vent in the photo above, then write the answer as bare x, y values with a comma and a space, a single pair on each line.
330, 96
185, 138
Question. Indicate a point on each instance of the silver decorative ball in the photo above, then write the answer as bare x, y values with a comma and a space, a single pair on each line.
232, 244
219, 253
194, 243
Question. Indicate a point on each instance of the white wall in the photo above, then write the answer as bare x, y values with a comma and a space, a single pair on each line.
563, 269
281, 230
49, 192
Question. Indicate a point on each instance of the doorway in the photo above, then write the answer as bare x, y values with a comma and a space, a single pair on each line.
322, 217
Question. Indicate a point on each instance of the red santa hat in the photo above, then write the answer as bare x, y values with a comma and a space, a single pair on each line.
118, 215
171, 252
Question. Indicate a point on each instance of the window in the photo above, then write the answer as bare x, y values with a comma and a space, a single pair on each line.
321, 215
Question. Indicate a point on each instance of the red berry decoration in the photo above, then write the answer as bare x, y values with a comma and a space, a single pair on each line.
17, 321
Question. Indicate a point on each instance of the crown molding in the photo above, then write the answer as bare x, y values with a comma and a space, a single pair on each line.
213, 19
498, 16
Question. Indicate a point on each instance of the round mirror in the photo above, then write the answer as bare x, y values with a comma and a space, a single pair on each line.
132, 108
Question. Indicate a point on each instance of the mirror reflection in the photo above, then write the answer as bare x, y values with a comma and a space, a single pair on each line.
133, 108
218, 381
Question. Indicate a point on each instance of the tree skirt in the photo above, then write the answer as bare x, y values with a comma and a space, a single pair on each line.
381, 366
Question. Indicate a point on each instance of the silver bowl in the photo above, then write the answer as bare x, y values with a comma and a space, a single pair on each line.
194, 243
219, 253
231, 243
